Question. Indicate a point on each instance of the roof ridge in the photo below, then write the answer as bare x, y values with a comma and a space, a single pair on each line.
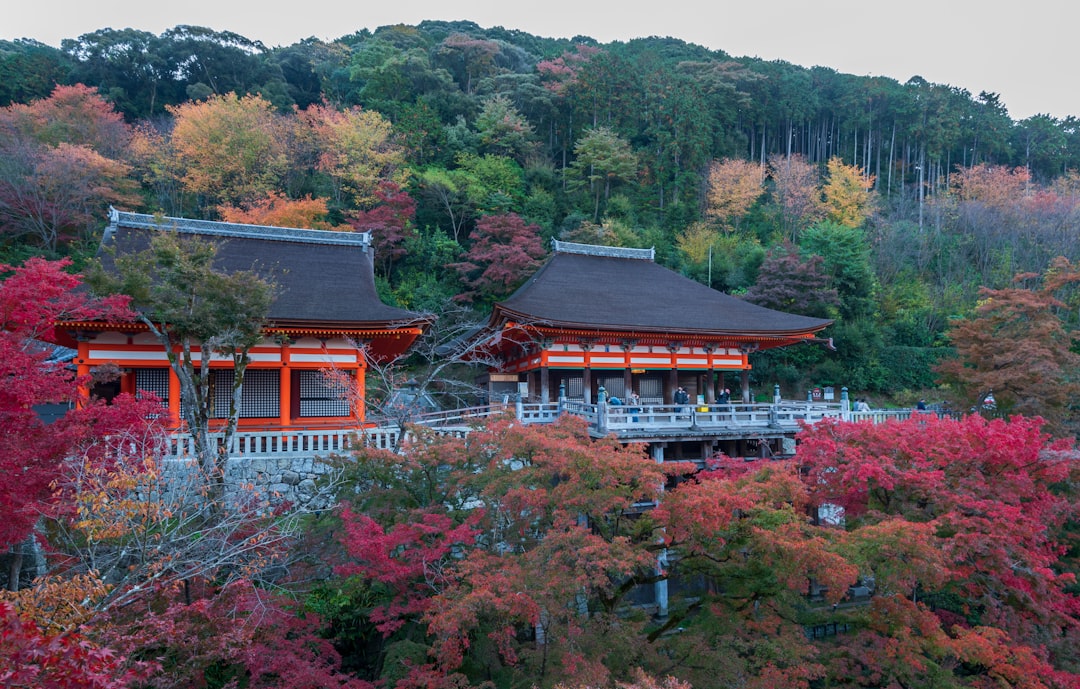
600, 250
240, 230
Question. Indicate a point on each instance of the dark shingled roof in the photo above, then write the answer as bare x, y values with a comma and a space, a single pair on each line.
324, 278
606, 288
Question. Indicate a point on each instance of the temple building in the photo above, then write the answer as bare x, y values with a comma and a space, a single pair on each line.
597, 316
326, 316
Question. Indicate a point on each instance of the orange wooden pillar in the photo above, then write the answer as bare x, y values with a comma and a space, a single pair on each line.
710, 376
82, 369
285, 388
359, 410
174, 395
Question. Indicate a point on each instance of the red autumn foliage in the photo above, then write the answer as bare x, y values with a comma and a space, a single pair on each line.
504, 252
390, 223
239, 633
30, 657
967, 515
33, 298
513, 552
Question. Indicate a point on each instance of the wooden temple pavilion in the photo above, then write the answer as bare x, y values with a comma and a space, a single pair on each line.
326, 315
604, 316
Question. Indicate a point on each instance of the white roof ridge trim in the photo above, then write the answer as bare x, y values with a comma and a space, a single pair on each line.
238, 230
599, 250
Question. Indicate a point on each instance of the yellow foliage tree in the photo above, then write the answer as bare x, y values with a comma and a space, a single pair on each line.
733, 187
232, 149
849, 199
276, 210
57, 603
357, 149
695, 241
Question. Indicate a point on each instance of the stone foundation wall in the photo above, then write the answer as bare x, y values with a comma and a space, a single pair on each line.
306, 482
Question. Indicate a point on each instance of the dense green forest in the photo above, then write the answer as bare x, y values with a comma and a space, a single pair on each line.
886, 206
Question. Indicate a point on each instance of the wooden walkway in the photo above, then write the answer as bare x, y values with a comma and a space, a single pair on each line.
660, 422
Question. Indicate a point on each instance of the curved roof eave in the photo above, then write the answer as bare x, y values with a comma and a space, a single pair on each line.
501, 314
605, 292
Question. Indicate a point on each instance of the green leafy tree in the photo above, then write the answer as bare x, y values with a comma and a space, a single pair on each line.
503, 130
129, 65
493, 183
1041, 142
194, 309
846, 254
446, 190
30, 70
468, 58
601, 159
221, 62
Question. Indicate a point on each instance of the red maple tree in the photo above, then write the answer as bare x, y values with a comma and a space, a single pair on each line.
960, 527
505, 250
33, 298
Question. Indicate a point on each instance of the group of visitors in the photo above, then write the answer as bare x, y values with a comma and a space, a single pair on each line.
680, 397
632, 399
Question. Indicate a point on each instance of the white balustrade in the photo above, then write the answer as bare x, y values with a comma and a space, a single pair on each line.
623, 420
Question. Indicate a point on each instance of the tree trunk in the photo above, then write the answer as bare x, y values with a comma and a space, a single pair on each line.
240, 364
15, 565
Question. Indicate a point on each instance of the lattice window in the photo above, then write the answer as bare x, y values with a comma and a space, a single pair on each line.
260, 398
615, 386
651, 390
322, 396
575, 387
153, 380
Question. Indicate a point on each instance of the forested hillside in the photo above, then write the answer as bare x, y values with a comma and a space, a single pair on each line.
937, 233
884, 205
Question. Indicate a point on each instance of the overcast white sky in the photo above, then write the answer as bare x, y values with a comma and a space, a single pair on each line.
1024, 51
